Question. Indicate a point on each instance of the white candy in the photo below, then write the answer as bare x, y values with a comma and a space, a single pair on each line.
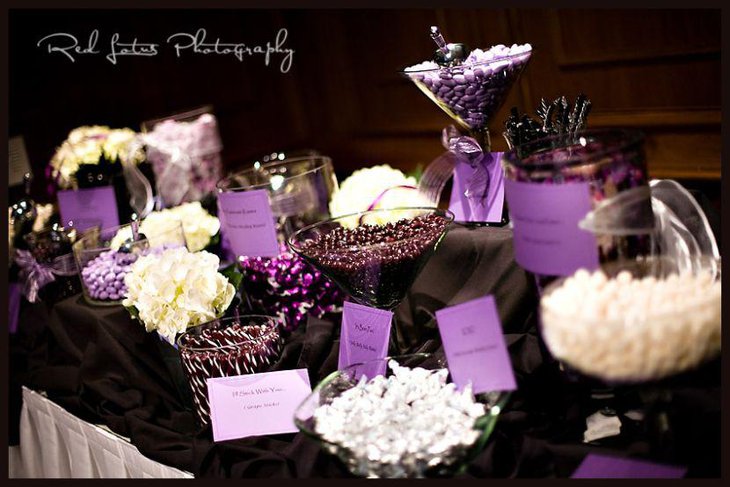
633, 329
395, 426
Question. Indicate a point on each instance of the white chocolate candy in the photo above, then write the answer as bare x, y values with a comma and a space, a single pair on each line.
395, 427
627, 329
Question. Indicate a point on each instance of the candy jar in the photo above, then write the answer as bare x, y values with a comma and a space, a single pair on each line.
237, 345
47, 269
104, 260
553, 182
470, 86
299, 186
185, 153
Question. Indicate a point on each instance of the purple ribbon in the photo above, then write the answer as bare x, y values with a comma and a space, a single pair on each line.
33, 274
468, 151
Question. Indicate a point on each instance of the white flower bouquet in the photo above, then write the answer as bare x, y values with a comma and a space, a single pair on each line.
92, 145
377, 187
177, 289
199, 226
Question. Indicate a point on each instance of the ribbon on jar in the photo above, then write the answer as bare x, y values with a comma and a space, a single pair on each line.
33, 274
477, 175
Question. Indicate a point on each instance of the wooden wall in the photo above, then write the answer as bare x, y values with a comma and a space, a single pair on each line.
657, 70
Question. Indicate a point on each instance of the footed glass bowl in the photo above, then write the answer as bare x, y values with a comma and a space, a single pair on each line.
338, 382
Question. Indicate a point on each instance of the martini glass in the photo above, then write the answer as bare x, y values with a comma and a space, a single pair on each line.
376, 255
471, 92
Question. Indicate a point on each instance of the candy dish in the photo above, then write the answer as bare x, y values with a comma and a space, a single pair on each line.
226, 347
634, 321
103, 267
398, 444
299, 189
609, 161
373, 261
471, 92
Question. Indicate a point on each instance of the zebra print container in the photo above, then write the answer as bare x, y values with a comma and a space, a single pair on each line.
227, 347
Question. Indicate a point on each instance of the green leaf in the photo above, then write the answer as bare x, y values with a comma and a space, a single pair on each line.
233, 275
133, 311
417, 172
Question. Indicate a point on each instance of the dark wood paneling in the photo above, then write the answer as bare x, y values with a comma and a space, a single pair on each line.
655, 70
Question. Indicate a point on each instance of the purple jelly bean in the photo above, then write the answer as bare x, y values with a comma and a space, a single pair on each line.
103, 295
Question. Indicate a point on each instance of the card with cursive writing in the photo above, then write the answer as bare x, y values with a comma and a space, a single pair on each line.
474, 345
256, 404
89, 207
547, 239
364, 336
595, 466
249, 223
490, 210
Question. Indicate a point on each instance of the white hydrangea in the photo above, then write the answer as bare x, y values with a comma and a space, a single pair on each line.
177, 289
87, 145
361, 190
199, 226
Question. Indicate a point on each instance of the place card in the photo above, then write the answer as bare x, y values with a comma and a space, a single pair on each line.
88, 207
364, 336
547, 239
256, 404
14, 294
595, 466
491, 210
249, 223
474, 345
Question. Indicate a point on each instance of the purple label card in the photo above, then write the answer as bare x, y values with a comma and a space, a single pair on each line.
226, 251
89, 207
491, 209
595, 466
249, 223
14, 294
256, 404
364, 336
547, 239
474, 345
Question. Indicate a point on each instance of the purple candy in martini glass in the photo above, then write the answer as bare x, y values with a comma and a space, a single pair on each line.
471, 89
374, 255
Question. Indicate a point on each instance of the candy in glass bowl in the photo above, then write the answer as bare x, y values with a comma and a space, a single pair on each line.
410, 422
103, 263
374, 255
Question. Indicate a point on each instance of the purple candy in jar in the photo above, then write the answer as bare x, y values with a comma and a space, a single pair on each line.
473, 91
610, 161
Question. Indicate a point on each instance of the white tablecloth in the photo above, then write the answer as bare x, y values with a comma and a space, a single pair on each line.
57, 444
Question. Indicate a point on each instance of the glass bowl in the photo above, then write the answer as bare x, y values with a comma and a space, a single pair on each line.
338, 382
641, 346
609, 161
471, 93
299, 189
225, 347
185, 152
103, 265
377, 274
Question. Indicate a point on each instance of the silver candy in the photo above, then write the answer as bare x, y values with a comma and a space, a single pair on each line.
402, 425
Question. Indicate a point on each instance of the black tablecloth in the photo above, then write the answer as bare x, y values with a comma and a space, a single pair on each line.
102, 366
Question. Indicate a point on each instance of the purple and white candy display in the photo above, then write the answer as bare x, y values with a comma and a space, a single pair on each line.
103, 277
473, 91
